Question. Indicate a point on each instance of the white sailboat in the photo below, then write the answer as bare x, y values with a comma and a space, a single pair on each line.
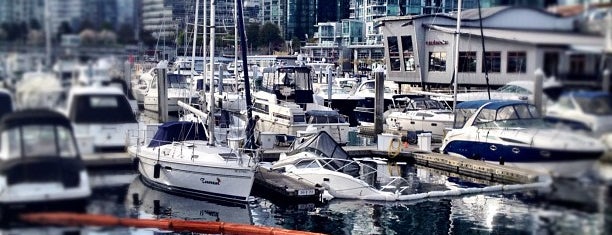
183, 156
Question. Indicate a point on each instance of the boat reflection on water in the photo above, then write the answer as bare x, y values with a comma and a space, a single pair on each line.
146, 202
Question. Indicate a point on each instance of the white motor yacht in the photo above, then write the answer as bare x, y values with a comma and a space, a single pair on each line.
40, 163
422, 115
285, 105
101, 116
513, 133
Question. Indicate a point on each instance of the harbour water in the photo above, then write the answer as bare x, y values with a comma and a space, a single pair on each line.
568, 207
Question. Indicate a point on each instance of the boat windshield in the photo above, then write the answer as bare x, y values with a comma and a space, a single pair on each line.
322, 117
101, 109
518, 115
426, 104
600, 105
177, 81
37, 141
514, 89
335, 90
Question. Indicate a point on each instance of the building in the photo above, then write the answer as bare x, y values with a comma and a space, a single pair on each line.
518, 41
16, 11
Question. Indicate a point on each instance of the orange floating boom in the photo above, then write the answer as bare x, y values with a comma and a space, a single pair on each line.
177, 225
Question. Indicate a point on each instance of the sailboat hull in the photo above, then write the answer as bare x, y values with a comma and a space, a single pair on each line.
220, 182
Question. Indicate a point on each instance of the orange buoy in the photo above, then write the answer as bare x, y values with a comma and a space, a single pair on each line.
78, 219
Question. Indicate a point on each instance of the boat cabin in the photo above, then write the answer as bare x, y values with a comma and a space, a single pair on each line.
495, 113
290, 83
38, 146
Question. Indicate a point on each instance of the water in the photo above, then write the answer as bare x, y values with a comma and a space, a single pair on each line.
569, 207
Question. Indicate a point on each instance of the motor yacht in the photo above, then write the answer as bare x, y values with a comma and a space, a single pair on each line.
285, 105
513, 133
422, 115
40, 163
102, 118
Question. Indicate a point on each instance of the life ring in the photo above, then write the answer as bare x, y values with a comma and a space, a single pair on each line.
394, 150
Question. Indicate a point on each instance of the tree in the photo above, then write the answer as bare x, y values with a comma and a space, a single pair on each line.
270, 36
88, 36
252, 34
34, 24
125, 34
64, 28
35, 37
86, 24
107, 37
106, 25
296, 44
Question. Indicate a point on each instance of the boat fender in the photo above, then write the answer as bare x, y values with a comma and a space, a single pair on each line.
135, 163
156, 207
156, 170
135, 200
501, 160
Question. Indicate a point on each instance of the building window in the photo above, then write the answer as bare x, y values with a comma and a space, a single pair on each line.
493, 61
437, 61
407, 52
577, 63
517, 62
467, 61
394, 53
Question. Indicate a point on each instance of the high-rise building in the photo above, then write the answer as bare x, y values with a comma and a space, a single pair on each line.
16, 11
69, 11
332, 11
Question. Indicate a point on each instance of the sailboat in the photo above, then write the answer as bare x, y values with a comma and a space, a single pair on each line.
183, 157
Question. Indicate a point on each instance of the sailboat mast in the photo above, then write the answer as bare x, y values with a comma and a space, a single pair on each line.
236, 42
484, 51
193, 50
456, 55
211, 104
245, 71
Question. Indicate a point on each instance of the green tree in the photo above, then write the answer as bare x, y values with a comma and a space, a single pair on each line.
106, 25
296, 44
270, 37
252, 34
125, 34
86, 24
34, 24
64, 28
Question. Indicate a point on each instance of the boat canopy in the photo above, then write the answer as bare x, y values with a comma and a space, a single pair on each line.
34, 117
177, 131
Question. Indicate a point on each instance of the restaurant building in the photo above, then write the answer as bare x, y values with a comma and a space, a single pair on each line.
518, 41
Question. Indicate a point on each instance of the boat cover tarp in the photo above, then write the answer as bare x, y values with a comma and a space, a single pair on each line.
177, 131
325, 146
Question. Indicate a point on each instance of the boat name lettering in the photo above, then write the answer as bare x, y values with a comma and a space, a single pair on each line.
436, 42
216, 182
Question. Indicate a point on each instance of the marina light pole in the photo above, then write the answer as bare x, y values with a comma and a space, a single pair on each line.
456, 55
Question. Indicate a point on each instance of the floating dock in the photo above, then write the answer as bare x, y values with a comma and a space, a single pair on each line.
285, 187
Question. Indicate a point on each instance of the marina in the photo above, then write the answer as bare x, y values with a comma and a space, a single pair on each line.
376, 124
